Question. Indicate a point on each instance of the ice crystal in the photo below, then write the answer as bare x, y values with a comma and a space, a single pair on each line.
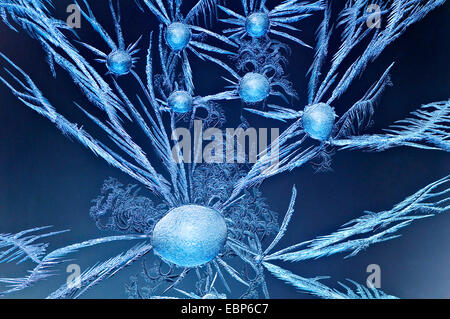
199, 218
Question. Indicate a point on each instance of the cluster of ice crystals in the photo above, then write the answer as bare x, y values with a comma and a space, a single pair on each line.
206, 215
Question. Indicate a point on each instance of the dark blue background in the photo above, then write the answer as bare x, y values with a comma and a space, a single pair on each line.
47, 180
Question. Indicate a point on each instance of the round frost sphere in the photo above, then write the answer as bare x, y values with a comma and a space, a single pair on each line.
254, 87
119, 62
190, 235
180, 101
178, 36
318, 121
257, 24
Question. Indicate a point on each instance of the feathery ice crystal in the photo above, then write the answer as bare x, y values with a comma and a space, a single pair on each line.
211, 222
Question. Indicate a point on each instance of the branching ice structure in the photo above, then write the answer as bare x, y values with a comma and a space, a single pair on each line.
221, 196
428, 130
176, 98
261, 63
261, 58
259, 22
120, 60
181, 34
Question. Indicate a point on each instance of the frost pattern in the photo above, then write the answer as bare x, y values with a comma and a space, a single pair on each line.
258, 74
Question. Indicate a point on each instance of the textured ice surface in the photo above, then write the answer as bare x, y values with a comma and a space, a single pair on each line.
318, 121
254, 87
257, 24
193, 235
119, 62
190, 235
180, 101
178, 36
